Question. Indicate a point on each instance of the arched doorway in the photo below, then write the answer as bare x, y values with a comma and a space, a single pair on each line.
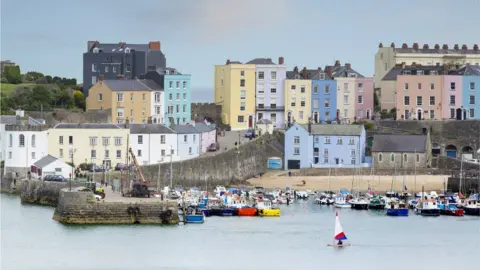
467, 150
459, 114
451, 151
368, 114
315, 117
250, 121
435, 149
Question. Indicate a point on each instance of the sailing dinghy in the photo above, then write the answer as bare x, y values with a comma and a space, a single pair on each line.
339, 235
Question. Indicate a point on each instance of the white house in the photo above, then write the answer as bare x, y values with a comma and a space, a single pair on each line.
50, 165
157, 101
264, 126
25, 144
153, 143
188, 141
207, 135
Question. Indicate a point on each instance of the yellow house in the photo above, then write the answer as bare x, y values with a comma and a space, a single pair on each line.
235, 91
127, 99
89, 143
298, 93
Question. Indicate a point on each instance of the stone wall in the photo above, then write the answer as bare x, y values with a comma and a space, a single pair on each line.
399, 163
468, 184
202, 110
82, 208
40, 192
65, 116
361, 171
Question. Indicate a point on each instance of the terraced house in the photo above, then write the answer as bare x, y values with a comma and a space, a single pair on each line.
471, 91
298, 94
324, 96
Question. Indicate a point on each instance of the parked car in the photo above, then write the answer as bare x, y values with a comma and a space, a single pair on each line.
54, 178
121, 166
213, 147
250, 133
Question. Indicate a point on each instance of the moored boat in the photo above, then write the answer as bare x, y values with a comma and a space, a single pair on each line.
265, 209
427, 207
377, 203
472, 207
359, 203
397, 208
341, 201
246, 211
450, 209
194, 215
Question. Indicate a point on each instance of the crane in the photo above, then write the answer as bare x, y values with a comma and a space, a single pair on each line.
139, 170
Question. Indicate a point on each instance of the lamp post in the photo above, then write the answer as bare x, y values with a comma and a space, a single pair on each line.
239, 138
158, 178
72, 150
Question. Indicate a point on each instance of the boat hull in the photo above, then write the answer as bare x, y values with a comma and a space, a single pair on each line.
341, 205
216, 212
247, 212
472, 211
376, 206
403, 212
195, 219
452, 212
428, 212
206, 212
359, 206
228, 212
269, 212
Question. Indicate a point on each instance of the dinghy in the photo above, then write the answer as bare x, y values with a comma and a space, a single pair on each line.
339, 235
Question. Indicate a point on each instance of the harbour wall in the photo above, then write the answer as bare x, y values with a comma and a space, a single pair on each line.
469, 184
40, 192
82, 208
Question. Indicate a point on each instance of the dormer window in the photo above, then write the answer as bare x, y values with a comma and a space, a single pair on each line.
127, 50
322, 76
95, 50
297, 77
433, 72
352, 75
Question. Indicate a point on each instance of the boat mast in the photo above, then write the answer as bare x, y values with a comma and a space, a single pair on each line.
415, 173
394, 175
329, 174
461, 174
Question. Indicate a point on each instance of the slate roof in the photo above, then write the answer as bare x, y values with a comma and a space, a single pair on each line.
343, 72
202, 127
150, 129
185, 129
132, 85
12, 120
398, 70
261, 61
41, 163
115, 47
331, 130
264, 121
435, 51
89, 126
399, 143
235, 62
469, 70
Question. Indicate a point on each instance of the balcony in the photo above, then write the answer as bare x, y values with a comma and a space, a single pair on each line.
270, 108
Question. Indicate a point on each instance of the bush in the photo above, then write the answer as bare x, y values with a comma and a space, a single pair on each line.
85, 166
368, 125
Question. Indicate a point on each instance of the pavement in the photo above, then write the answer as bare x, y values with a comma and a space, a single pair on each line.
227, 142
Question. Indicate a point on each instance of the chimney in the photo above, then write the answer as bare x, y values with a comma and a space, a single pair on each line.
475, 47
348, 66
437, 47
295, 69
404, 46
154, 45
329, 71
380, 45
456, 47
438, 64
90, 44
101, 78
445, 47
425, 46
464, 47
304, 73
280, 60
414, 64
228, 61
121, 44
392, 45
337, 63
415, 46
149, 120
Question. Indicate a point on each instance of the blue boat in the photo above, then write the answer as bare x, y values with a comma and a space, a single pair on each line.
206, 212
397, 209
228, 212
195, 218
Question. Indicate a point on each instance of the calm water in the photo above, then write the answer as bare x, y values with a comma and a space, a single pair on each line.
30, 239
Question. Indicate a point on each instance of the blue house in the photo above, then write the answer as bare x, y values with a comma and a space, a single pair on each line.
188, 141
325, 145
471, 91
324, 99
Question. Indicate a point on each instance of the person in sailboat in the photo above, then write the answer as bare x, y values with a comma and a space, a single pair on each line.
340, 242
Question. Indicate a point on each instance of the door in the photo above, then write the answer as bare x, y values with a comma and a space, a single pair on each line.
419, 114
452, 153
368, 114
250, 121
464, 114
289, 118
315, 117
337, 161
293, 164
459, 114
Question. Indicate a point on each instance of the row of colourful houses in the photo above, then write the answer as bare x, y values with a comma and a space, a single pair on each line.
104, 144
262, 89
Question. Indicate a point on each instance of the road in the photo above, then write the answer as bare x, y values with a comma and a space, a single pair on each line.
227, 142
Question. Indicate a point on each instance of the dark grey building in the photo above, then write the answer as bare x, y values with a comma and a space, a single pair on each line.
110, 61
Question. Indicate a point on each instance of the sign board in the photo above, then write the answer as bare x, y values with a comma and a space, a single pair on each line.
274, 163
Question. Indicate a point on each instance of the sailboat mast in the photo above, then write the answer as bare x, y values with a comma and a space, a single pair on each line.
329, 175
461, 173
415, 173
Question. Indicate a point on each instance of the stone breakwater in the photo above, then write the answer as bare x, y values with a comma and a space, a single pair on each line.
40, 192
82, 208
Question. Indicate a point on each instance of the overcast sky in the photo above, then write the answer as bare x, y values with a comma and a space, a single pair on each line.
50, 36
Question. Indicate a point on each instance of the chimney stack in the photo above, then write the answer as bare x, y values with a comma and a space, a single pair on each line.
121, 44
437, 47
154, 45
404, 46
295, 69
329, 71
337, 63
445, 69
380, 45
281, 60
348, 66
475, 47
309, 126
228, 61
392, 45
464, 47
445, 47
425, 46
149, 120
304, 73
456, 47
127, 122
415, 46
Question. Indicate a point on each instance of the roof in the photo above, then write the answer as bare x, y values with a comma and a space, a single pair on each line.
413, 70
41, 163
264, 121
399, 143
343, 72
202, 127
328, 129
132, 85
89, 126
469, 70
12, 120
437, 51
185, 129
261, 61
120, 48
150, 129
311, 74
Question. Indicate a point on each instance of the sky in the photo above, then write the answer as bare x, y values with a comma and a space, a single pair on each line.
50, 36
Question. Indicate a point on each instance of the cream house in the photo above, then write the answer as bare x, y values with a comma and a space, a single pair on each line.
89, 143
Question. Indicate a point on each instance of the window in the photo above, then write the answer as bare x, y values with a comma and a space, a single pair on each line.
302, 103
242, 106
114, 69
380, 157
452, 86
185, 138
242, 82
315, 89
452, 100
452, 113
139, 153
170, 84
432, 86
353, 161
296, 139
140, 139
127, 68
93, 154
70, 153
293, 102
157, 97
360, 87
242, 73
407, 113
106, 69
404, 157
240, 119
472, 100
184, 85
273, 75
325, 152
273, 90
119, 154
392, 157
177, 83
296, 151
21, 140
419, 100
60, 140
58, 169
162, 153
273, 118
472, 113
302, 89
170, 109
418, 158
194, 137
120, 112
261, 75
420, 72
118, 140
360, 99
184, 95
351, 141
170, 96
300, 115
293, 87
260, 116
260, 90
345, 113
243, 94
406, 101
406, 86
177, 107
120, 97
60, 153
345, 99
327, 89
339, 140
94, 67
105, 141
325, 160
432, 100
93, 140
178, 96
317, 139
158, 109
107, 154
184, 108
315, 103
131, 97
345, 87
472, 85
100, 97
273, 103
327, 140
33, 140
70, 140
432, 114
190, 150
419, 86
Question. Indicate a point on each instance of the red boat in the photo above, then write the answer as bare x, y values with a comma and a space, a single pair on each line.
247, 212
450, 210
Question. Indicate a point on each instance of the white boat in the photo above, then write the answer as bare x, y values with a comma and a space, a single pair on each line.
341, 202
472, 207
339, 235
219, 189
359, 203
301, 194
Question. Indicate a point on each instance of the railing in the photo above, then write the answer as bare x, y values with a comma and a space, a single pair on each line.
269, 108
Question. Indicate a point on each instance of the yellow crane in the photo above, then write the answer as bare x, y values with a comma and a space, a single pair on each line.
139, 170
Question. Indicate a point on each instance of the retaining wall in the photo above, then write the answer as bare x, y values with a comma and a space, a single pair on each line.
40, 192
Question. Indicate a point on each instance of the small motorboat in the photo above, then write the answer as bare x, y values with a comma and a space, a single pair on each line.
301, 194
359, 203
427, 207
247, 211
397, 208
265, 209
194, 215
341, 201
472, 207
450, 209
376, 203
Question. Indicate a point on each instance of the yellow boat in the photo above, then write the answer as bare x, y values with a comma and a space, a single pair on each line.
264, 208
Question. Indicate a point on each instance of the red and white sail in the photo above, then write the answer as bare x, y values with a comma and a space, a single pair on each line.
339, 234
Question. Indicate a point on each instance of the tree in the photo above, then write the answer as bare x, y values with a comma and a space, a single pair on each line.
61, 98
79, 99
5, 104
41, 97
13, 75
49, 79
33, 76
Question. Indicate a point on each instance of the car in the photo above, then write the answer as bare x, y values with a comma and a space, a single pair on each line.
54, 178
97, 169
250, 133
213, 147
121, 167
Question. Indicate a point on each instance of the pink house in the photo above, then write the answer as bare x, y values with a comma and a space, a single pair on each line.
207, 135
452, 96
419, 97
364, 98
